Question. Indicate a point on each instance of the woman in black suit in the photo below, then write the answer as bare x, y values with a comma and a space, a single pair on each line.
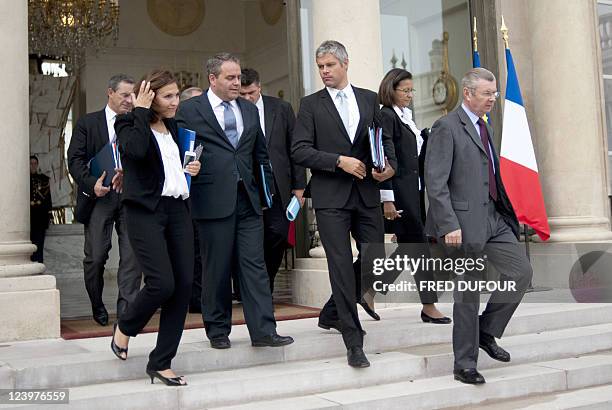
403, 203
159, 225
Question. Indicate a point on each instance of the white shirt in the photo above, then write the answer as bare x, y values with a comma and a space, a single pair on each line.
217, 105
175, 184
111, 116
474, 118
353, 108
260, 107
405, 116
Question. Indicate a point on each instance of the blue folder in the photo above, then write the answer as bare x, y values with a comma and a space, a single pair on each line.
376, 148
293, 208
266, 174
186, 142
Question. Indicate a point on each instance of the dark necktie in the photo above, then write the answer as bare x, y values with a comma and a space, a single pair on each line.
484, 136
231, 129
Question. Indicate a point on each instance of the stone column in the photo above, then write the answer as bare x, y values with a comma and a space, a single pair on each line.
568, 118
357, 27
29, 301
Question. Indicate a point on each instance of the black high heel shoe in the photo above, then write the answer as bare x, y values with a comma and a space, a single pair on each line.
369, 310
116, 349
168, 381
437, 320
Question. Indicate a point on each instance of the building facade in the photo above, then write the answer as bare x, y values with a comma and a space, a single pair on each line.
562, 51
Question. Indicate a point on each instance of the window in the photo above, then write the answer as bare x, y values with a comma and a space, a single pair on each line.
604, 11
411, 35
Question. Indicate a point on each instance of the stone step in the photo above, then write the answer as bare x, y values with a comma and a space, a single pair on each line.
592, 398
60, 363
224, 387
506, 383
311, 264
332, 379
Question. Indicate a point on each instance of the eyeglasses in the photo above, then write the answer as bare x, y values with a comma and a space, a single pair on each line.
488, 94
407, 91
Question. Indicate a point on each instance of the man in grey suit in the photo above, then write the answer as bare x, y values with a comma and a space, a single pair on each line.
468, 206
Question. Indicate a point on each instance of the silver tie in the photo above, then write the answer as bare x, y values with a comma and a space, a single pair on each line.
343, 110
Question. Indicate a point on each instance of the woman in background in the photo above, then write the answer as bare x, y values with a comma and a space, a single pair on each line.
159, 224
403, 204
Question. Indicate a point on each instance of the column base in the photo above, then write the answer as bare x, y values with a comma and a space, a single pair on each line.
310, 282
580, 229
30, 307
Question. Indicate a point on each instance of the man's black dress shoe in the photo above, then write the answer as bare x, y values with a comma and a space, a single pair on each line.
437, 320
335, 325
369, 310
274, 340
220, 343
356, 357
100, 315
469, 376
488, 344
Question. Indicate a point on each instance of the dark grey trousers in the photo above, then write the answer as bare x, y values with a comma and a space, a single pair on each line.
508, 257
107, 213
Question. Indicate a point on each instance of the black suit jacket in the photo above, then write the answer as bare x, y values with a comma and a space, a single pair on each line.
88, 138
279, 121
405, 182
320, 138
143, 169
214, 190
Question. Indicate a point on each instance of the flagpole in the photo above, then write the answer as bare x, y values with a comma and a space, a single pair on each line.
504, 31
475, 36
526, 231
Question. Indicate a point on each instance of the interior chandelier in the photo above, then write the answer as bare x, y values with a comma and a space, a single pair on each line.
65, 29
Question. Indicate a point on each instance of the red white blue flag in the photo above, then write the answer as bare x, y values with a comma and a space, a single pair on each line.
519, 168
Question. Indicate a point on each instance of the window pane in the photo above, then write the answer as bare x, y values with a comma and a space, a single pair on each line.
608, 108
605, 32
412, 33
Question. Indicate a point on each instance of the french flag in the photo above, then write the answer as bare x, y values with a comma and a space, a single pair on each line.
519, 169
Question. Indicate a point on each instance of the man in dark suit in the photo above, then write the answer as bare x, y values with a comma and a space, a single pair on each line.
98, 206
331, 138
227, 206
468, 206
277, 120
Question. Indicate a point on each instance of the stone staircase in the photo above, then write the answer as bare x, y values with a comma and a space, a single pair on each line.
561, 358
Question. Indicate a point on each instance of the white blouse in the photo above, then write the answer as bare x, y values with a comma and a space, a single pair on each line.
405, 116
175, 184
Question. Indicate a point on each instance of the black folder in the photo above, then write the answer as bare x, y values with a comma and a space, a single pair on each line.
104, 160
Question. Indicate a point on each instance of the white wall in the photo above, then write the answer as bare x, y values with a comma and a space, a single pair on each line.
266, 50
142, 46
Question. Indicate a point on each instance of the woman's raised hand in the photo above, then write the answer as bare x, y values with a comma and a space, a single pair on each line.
145, 96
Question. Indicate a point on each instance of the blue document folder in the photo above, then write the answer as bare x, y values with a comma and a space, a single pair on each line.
266, 173
376, 147
186, 142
